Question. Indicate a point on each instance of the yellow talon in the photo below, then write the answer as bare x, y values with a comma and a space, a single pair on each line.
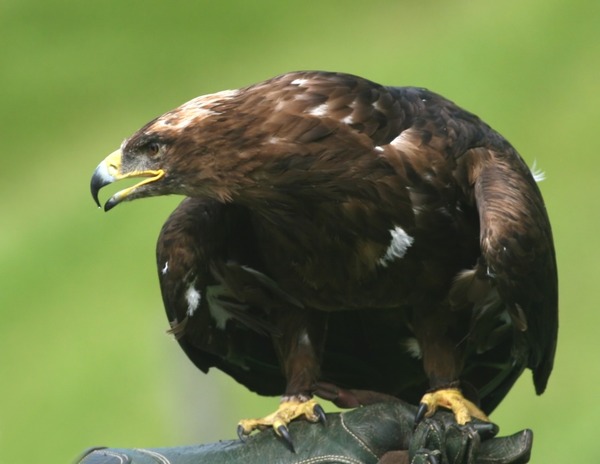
453, 399
286, 412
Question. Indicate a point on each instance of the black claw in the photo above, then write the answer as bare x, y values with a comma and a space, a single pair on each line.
432, 459
241, 433
486, 429
284, 433
318, 410
420, 415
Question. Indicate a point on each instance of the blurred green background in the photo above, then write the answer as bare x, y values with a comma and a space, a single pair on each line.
84, 357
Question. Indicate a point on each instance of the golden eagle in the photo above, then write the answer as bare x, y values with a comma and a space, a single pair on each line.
336, 230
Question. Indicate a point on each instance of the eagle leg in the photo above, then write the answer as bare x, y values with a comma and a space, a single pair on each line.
290, 408
439, 334
449, 398
299, 349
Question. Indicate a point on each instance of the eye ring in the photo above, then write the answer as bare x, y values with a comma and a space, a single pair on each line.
153, 148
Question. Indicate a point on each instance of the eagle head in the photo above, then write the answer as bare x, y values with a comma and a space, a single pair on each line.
173, 154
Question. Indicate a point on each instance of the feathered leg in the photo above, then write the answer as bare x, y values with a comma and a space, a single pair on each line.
443, 363
299, 349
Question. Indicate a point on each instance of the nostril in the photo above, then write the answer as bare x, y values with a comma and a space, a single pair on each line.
113, 169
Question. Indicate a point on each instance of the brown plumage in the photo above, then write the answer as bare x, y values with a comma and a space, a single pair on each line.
340, 231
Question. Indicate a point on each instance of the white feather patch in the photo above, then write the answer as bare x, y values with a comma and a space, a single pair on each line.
348, 119
400, 243
193, 298
197, 108
299, 81
377, 106
320, 111
406, 140
401, 139
218, 312
412, 347
303, 338
165, 269
537, 173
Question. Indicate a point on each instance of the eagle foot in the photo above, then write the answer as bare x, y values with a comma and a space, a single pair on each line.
288, 410
449, 398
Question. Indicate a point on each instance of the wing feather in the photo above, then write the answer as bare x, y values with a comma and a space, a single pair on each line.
518, 252
196, 249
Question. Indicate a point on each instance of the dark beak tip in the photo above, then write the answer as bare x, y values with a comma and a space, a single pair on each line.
99, 180
96, 198
110, 204
95, 186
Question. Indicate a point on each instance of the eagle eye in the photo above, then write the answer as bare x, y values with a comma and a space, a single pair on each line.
153, 149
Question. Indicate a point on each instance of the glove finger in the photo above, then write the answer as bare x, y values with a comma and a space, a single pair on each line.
428, 435
462, 444
514, 449
426, 456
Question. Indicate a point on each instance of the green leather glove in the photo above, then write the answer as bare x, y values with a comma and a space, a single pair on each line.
379, 433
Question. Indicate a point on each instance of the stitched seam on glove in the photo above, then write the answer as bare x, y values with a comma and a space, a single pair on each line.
329, 458
162, 459
357, 438
119, 456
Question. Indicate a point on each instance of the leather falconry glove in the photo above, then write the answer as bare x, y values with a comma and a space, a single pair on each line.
382, 433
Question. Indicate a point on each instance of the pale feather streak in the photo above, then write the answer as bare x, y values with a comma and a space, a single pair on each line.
398, 247
320, 111
219, 313
537, 173
193, 298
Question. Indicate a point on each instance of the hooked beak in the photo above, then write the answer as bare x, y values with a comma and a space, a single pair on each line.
110, 170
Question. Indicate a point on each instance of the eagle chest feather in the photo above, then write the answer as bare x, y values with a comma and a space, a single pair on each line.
359, 253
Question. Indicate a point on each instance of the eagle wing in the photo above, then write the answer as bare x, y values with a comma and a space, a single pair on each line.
198, 273
517, 253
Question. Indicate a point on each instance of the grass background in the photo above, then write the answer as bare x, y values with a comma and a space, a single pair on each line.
84, 358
